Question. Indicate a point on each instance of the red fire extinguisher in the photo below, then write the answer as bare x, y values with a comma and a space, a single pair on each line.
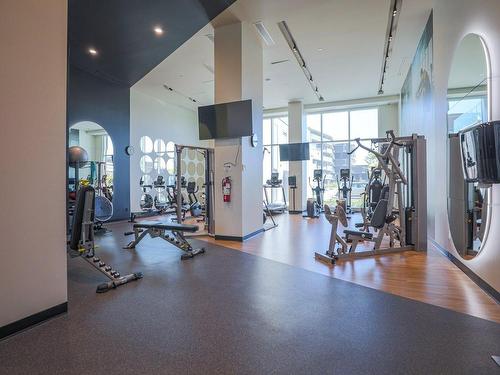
226, 189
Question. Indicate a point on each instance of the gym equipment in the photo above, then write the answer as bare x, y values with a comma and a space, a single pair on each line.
401, 217
292, 185
371, 196
103, 206
275, 183
160, 199
346, 189
146, 198
81, 241
176, 236
195, 207
334, 218
209, 159
314, 205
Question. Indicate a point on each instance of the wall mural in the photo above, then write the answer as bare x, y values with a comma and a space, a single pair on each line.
417, 90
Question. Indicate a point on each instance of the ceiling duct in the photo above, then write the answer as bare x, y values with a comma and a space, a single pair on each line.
300, 59
392, 25
264, 34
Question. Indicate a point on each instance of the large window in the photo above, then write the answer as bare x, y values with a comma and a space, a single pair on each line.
331, 136
275, 133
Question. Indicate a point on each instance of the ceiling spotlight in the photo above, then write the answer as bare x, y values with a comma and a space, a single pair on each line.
92, 51
158, 30
395, 13
390, 38
320, 49
381, 92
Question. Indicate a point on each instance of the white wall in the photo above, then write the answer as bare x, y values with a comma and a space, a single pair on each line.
453, 19
32, 144
157, 119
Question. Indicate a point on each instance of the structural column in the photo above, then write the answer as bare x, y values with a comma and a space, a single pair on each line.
239, 76
297, 133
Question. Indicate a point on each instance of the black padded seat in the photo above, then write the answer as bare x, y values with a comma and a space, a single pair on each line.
167, 226
364, 235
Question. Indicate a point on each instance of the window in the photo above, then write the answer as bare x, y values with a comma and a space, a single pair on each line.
331, 135
275, 133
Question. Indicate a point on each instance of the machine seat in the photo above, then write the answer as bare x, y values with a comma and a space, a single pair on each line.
356, 233
167, 226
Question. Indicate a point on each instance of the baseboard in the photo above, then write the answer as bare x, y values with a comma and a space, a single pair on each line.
295, 212
487, 288
32, 320
238, 239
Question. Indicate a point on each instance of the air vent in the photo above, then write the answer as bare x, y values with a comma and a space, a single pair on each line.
264, 34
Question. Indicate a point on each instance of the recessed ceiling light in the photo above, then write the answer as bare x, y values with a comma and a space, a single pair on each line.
320, 49
92, 51
268, 79
158, 30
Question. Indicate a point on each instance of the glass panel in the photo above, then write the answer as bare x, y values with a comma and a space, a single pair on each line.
146, 164
313, 163
266, 135
281, 130
335, 126
361, 163
313, 127
146, 144
159, 146
364, 124
171, 149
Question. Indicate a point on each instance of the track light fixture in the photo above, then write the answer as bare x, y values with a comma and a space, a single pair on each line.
392, 24
300, 59
168, 88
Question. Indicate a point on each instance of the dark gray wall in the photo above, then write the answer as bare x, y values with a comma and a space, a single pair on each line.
107, 104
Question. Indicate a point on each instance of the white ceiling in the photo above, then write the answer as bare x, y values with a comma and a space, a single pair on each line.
342, 42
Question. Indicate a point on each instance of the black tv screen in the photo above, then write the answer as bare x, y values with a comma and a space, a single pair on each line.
226, 120
294, 152
480, 148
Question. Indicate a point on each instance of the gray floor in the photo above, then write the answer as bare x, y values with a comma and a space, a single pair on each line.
227, 312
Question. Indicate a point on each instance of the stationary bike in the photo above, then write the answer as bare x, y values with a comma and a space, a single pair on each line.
315, 205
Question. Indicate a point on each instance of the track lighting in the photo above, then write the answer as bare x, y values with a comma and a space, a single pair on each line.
300, 59
391, 31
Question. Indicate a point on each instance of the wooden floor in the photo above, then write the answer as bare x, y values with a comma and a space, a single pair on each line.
426, 277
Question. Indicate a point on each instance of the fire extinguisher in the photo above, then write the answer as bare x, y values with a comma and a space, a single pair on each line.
226, 189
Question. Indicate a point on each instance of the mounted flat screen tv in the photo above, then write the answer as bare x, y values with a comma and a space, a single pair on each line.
480, 149
294, 152
226, 120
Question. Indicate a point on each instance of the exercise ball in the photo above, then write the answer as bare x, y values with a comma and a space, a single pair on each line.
77, 156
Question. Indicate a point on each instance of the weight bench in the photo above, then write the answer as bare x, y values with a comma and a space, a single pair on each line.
175, 237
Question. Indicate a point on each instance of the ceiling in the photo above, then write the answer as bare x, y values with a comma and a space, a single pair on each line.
342, 42
122, 33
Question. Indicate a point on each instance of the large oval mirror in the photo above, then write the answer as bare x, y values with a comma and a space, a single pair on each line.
90, 139
467, 105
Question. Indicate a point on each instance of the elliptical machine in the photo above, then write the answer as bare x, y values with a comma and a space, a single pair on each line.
315, 205
195, 207
346, 189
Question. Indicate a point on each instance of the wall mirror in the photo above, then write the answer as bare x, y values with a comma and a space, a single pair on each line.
468, 104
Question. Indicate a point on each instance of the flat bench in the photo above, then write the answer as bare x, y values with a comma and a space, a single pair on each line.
170, 232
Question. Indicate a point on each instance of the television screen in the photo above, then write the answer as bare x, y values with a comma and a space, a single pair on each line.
225, 120
294, 152
480, 149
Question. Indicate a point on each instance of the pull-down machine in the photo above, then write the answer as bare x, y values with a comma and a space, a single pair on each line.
400, 219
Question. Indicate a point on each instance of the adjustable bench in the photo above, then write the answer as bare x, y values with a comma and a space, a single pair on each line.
175, 237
